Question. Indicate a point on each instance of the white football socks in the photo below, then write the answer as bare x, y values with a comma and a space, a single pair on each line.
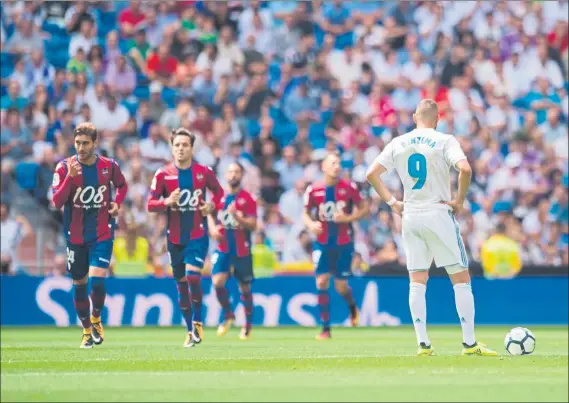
418, 306
464, 301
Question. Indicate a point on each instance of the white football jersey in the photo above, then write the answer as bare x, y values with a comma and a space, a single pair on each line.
423, 159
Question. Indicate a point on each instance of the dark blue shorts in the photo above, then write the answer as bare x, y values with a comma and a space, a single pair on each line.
242, 266
333, 259
193, 253
82, 256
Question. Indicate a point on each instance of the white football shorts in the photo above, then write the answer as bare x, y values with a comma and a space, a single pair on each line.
433, 235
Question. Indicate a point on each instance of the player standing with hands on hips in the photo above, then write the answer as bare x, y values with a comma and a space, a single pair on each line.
423, 159
82, 186
180, 189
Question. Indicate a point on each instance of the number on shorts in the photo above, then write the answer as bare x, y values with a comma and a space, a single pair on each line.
214, 258
417, 168
70, 258
316, 257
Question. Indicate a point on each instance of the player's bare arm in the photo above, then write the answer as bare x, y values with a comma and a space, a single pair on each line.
214, 229
358, 212
313, 226
373, 176
464, 179
249, 223
62, 190
121, 190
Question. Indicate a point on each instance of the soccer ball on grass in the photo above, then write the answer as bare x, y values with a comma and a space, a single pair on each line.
520, 341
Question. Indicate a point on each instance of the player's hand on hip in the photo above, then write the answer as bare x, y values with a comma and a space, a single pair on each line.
74, 168
316, 228
206, 208
455, 205
114, 210
397, 207
173, 198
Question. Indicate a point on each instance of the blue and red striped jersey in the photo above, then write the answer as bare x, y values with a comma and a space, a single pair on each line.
86, 199
235, 240
185, 221
322, 202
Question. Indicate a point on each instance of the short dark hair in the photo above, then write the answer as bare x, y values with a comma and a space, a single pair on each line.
86, 129
239, 165
183, 132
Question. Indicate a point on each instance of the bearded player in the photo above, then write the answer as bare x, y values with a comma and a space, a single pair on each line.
237, 218
330, 208
423, 159
180, 189
82, 186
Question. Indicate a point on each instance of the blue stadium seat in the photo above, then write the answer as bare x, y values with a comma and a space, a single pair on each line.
142, 92
131, 104
253, 127
169, 96
27, 175
53, 29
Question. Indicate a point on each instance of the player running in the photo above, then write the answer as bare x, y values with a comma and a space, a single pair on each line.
423, 159
180, 189
237, 218
82, 185
330, 208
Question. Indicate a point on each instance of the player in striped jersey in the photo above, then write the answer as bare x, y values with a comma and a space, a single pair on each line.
82, 186
330, 208
180, 189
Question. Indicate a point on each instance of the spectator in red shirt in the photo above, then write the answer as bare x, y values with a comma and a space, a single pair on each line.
433, 90
162, 66
130, 17
559, 37
384, 113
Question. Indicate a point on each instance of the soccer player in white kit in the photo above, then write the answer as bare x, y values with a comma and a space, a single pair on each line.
423, 159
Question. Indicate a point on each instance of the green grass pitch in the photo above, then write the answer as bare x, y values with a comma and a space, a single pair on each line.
280, 364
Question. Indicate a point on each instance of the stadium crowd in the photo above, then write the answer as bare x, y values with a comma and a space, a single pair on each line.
276, 85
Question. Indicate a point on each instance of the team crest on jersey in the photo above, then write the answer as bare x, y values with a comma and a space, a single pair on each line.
241, 201
56, 180
199, 177
105, 171
342, 192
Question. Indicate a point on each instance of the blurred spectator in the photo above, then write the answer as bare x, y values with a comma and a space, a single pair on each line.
85, 39
16, 140
120, 77
278, 85
14, 229
154, 149
130, 18
26, 39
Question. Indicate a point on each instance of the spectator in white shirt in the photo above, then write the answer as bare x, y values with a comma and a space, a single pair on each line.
111, 115
291, 203
417, 70
228, 48
552, 128
85, 38
262, 34
246, 17
154, 150
544, 66
501, 117
345, 65
516, 72
290, 170
39, 69
488, 29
